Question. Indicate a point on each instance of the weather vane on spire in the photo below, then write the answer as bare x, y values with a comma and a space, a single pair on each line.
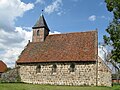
42, 12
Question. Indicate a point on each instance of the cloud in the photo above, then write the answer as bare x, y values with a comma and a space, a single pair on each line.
40, 1
10, 10
55, 6
13, 44
104, 17
102, 52
27, 28
92, 18
54, 32
12, 39
101, 3
61, 13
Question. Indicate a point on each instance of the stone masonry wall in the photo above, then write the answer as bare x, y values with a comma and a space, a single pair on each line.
84, 73
104, 74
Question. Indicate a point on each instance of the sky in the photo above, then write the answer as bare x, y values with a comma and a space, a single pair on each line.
62, 16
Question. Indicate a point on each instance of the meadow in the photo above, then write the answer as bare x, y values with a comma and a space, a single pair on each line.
22, 86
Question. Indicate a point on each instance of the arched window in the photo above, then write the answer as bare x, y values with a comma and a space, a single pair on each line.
54, 68
38, 32
38, 69
72, 67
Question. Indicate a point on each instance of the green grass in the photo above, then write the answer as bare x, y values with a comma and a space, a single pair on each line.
116, 87
21, 86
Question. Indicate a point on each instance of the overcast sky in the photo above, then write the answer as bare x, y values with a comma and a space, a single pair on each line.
63, 16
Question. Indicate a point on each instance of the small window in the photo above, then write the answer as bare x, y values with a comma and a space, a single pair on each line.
72, 67
38, 69
54, 68
38, 32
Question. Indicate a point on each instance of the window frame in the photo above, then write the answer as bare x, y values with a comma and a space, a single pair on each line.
54, 68
38, 69
72, 67
38, 32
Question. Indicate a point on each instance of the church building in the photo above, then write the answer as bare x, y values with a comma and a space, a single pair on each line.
62, 59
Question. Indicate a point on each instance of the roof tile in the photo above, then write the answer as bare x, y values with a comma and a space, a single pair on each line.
80, 46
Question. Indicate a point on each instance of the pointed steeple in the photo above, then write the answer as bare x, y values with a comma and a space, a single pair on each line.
41, 23
40, 30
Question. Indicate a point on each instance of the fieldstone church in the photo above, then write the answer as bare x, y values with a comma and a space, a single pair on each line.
62, 59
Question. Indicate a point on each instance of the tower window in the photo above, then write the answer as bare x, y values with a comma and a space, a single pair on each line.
72, 67
38, 69
38, 32
54, 68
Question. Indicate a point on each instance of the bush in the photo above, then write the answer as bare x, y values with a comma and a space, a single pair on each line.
11, 76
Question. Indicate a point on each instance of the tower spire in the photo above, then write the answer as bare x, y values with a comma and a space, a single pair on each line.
40, 30
41, 23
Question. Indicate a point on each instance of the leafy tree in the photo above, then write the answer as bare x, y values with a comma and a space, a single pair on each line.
114, 6
113, 37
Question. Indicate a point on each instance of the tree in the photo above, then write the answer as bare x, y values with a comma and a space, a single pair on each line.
113, 37
114, 6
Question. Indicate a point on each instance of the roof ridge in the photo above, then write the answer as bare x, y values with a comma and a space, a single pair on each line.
74, 32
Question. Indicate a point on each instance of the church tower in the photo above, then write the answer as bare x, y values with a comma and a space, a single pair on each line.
40, 30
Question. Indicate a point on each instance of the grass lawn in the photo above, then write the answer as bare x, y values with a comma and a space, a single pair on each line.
116, 87
21, 86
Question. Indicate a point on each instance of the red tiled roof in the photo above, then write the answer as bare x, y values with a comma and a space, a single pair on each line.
3, 67
80, 46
